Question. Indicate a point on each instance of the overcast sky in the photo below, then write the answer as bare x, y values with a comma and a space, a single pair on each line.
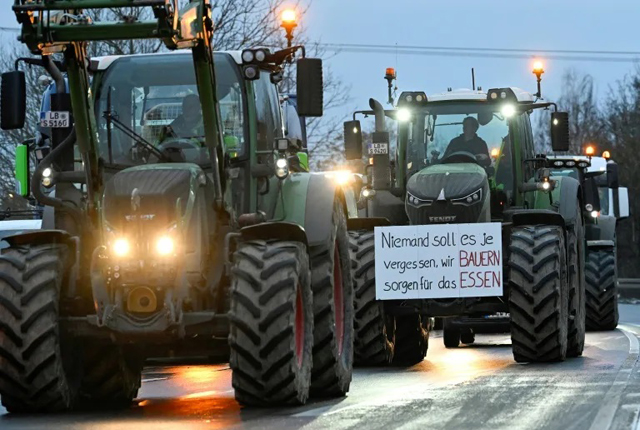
611, 25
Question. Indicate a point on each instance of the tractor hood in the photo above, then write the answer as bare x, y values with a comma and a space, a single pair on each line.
148, 197
448, 193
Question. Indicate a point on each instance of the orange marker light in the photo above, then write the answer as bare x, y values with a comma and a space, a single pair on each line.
590, 150
390, 73
606, 155
538, 66
495, 152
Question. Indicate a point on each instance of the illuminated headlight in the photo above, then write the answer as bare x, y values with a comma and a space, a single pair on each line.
471, 199
340, 177
558, 163
121, 247
282, 168
368, 193
595, 214
508, 110
165, 246
47, 177
546, 185
417, 202
403, 115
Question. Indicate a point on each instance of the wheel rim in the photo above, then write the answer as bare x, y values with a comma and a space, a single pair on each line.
299, 335
338, 298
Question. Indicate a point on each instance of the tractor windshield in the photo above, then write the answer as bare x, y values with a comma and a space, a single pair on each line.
443, 131
155, 114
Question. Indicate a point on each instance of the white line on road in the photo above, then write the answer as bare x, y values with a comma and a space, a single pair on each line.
606, 413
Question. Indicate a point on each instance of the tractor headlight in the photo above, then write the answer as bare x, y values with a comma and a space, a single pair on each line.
403, 114
508, 110
469, 200
121, 247
282, 168
595, 214
47, 177
417, 202
165, 246
340, 177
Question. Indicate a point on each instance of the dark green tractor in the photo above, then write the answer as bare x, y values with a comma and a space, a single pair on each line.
467, 158
177, 220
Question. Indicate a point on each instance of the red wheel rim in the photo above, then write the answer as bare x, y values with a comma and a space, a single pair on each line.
338, 300
299, 329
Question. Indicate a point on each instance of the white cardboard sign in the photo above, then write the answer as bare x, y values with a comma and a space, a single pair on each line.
438, 261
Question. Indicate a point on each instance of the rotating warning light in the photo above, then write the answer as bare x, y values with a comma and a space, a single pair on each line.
590, 150
390, 73
289, 16
606, 155
538, 68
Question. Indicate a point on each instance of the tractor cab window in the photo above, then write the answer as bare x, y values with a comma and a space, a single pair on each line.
156, 115
268, 112
460, 132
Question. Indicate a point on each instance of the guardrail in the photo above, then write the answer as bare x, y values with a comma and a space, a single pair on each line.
629, 288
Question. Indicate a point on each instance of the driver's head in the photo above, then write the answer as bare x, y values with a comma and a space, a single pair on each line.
470, 126
191, 106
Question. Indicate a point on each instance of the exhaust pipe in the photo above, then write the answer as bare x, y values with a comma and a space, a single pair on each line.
381, 172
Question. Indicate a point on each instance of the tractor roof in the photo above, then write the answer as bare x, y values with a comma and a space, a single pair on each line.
476, 95
102, 63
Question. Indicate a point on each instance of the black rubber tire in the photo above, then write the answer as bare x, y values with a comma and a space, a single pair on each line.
602, 290
270, 283
468, 338
412, 339
112, 377
538, 297
39, 370
332, 352
375, 332
438, 323
450, 335
577, 306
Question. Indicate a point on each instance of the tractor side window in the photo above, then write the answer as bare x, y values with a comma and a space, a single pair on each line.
267, 111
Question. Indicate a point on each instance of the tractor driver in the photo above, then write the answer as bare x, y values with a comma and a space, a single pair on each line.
469, 141
189, 123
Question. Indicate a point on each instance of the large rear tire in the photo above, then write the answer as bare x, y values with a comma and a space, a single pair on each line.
40, 371
271, 324
538, 298
375, 332
577, 306
333, 311
602, 291
412, 339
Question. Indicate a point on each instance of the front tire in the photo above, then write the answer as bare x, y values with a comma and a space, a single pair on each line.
577, 306
375, 331
412, 339
40, 371
271, 324
333, 311
602, 291
538, 298
450, 334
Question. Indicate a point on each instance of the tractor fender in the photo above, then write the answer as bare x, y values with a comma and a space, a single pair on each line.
536, 217
569, 202
318, 217
275, 230
354, 224
40, 237
607, 228
600, 244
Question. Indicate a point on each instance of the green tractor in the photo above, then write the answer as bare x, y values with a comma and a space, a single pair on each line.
610, 205
468, 222
177, 220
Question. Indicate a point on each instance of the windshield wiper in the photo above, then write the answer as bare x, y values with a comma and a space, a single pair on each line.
113, 119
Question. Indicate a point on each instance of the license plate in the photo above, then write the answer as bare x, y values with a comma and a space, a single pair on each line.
54, 119
378, 148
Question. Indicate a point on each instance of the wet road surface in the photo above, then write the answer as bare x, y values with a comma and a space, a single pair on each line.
471, 387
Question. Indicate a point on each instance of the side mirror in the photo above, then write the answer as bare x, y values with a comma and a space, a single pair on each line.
613, 177
591, 194
310, 87
13, 100
623, 203
22, 170
560, 131
352, 140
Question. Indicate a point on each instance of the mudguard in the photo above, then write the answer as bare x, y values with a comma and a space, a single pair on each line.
275, 230
40, 237
354, 224
535, 217
307, 200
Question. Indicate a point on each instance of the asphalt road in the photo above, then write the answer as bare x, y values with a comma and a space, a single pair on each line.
473, 387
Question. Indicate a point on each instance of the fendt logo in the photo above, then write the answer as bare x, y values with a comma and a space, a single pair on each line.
448, 218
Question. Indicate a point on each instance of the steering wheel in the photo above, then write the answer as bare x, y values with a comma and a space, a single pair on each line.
178, 143
460, 157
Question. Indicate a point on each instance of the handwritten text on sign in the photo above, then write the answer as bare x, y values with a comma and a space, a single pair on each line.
438, 261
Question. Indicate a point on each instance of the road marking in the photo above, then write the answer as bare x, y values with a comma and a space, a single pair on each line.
606, 413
